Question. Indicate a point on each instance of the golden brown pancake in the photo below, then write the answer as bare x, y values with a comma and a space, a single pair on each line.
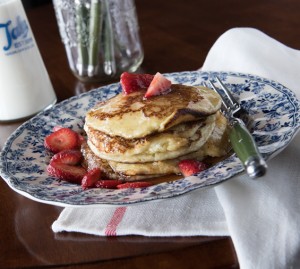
92, 161
216, 146
172, 143
133, 138
132, 116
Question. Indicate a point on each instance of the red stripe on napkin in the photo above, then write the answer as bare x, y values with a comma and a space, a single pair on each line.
111, 228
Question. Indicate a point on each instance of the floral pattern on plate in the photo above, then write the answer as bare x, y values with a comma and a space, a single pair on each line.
273, 119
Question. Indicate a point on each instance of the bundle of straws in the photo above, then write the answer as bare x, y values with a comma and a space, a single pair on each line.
94, 35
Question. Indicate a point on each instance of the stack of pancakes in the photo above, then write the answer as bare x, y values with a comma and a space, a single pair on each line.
132, 138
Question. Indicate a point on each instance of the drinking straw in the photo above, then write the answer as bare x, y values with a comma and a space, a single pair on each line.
109, 64
82, 36
95, 30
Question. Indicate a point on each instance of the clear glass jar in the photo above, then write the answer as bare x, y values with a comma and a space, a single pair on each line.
101, 37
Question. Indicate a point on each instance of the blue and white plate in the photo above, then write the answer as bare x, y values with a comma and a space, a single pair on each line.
273, 112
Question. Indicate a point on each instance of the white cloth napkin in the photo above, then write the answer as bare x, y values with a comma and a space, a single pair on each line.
262, 216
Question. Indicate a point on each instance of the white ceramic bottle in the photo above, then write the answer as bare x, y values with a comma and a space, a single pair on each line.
25, 87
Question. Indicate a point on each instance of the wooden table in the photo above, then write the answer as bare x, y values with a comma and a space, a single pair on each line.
177, 36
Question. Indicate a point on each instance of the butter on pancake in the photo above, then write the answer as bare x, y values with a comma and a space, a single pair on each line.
132, 116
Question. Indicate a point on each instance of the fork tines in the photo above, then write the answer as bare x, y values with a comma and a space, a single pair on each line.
228, 101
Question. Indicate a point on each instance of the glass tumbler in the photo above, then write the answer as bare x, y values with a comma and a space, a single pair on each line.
101, 37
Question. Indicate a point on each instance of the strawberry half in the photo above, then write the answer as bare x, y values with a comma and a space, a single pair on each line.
90, 178
159, 85
62, 139
190, 166
137, 184
135, 82
71, 157
70, 173
108, 183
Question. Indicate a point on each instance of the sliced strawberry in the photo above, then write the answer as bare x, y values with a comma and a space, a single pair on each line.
134, 82
136, 184
108, 183
58, 127
70, 173
190, 166
71, 157
62, 139
159, 85
90, 178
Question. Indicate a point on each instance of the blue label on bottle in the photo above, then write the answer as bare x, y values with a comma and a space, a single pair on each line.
15, 35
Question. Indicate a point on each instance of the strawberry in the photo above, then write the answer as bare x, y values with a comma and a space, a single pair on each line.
62, 139
71, 157
134, 82
70, 173
90, 178
81, 139
189, 167
159, 85
108, 183
136, 184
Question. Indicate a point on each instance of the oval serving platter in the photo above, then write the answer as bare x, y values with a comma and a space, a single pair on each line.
273, 119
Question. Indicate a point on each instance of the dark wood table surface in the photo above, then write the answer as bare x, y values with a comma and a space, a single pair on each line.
176, 36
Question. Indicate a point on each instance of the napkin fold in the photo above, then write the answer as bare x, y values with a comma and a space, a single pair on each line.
187, 215
262, 216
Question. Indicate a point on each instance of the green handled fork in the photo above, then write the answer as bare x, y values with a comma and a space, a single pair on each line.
240, 138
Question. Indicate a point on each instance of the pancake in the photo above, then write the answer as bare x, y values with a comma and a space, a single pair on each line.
92, 161
133, 138
132, 116
176, 141
216, 146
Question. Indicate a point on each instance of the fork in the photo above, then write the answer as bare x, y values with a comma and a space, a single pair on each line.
240, 138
